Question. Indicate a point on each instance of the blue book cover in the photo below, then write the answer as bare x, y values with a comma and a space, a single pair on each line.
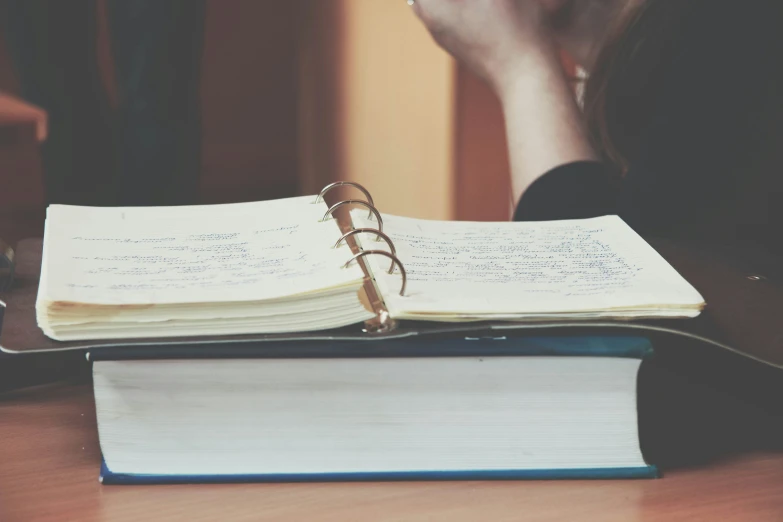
110, 478
625, 346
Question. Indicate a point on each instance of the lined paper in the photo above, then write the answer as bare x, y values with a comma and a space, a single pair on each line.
507, 269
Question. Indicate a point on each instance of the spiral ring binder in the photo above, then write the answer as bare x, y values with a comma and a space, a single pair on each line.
378, 233
373, 210
382, 322
336, 184
394, 259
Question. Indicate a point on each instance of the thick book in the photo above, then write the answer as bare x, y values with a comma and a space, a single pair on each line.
459, 408
288, 266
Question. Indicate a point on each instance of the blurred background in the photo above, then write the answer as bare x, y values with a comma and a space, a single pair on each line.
296, 94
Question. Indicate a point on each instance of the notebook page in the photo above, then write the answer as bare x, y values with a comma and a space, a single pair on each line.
302, 206
507, 269
219, 253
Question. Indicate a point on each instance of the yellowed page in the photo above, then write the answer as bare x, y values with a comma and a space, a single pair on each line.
219, 253
457, 270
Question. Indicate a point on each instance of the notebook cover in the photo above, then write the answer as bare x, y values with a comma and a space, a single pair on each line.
107, 477
743, 289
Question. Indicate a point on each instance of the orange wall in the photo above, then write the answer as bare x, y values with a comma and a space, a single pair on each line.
249, 100
391, 97
300, 93
483, 183
425, 136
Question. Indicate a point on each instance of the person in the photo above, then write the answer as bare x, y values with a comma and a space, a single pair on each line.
680, 131
144, 151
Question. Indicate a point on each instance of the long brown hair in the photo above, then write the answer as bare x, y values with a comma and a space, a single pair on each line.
638, 42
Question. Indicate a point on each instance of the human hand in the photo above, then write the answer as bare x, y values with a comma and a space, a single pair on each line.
510, 43
494, 38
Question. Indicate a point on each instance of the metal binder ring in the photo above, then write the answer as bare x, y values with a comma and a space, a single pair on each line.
336, 184
394, 259
370, 231
373, 210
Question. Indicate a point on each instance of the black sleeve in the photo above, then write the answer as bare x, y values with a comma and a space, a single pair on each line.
699, 118
572, 191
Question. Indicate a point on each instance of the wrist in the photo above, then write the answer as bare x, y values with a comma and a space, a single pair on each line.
537, 68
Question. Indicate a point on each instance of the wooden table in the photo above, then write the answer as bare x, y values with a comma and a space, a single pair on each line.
49, 458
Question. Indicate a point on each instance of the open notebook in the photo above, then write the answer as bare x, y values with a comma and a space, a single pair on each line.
273, 267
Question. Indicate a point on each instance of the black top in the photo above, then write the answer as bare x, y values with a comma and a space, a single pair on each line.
700, 120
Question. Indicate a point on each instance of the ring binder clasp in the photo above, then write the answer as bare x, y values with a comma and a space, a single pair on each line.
394, 259
370, 231
373, 210
336, 184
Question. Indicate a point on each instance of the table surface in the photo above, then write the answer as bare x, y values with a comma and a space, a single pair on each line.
49, 460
